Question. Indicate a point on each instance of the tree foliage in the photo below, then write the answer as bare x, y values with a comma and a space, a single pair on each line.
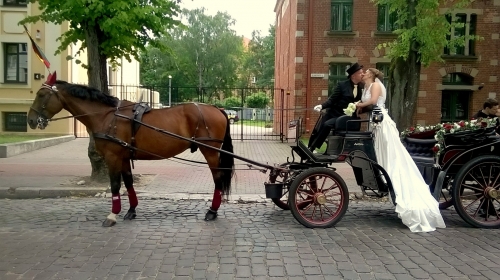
422, 37
108, 30
124, 27
205, 54
258, 61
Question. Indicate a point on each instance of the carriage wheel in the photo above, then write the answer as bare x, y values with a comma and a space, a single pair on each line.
476, 193
281, 202
446, 198
318, 198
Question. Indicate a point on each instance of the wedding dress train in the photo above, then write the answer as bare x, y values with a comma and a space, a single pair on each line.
415, 205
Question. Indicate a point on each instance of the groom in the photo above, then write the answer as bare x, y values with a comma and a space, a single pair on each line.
346, 92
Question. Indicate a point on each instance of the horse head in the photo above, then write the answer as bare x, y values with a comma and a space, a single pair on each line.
47, 103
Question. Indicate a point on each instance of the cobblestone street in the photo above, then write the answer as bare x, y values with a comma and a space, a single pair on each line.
63, 239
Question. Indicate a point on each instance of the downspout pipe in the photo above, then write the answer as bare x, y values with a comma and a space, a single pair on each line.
309, 63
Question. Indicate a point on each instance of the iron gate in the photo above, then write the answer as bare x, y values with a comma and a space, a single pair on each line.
274, 121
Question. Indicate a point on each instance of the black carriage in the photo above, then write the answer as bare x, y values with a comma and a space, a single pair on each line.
466, 174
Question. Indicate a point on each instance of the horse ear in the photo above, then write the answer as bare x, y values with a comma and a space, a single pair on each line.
51, 79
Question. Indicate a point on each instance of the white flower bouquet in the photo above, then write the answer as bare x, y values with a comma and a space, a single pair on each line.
351, 108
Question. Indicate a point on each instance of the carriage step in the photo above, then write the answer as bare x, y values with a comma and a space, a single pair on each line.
367, 191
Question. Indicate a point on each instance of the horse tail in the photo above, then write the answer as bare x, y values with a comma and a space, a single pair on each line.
226, 161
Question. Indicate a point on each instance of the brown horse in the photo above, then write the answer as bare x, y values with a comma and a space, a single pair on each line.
124, 131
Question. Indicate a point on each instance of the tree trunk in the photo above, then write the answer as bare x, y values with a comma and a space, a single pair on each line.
405, 80
98, 78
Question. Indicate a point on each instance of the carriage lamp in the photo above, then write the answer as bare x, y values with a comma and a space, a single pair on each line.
169, 91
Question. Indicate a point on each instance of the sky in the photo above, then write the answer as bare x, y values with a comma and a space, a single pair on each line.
249, 14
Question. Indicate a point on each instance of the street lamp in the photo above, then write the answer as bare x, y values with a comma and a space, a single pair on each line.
169, 91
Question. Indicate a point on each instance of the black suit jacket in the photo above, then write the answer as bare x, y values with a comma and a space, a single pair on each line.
340, 98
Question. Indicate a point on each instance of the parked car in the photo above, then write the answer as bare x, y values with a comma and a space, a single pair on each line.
232, 116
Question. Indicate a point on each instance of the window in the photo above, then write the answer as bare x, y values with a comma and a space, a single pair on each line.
455, 105
16, 63
15, 3
384, 68
457, 79
341, 14
16, 122
467, 28
386, 21
337, 73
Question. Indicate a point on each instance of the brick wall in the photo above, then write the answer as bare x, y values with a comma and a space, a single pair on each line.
360, 46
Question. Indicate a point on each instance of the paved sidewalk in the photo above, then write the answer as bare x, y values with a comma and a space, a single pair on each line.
54, 171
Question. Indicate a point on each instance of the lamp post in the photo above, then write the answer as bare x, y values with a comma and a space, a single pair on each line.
169, 91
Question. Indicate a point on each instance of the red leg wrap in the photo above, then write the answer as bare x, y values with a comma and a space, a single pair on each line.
116, 204
132, 197
216, 200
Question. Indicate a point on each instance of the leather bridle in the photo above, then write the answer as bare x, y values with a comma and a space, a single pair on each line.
42, 120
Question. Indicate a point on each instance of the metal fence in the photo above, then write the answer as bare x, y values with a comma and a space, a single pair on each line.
272, 122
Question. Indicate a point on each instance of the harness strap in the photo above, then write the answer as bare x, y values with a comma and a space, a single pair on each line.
204, 122
138, 111
127, 145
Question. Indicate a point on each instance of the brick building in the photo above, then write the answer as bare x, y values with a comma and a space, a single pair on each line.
317, 39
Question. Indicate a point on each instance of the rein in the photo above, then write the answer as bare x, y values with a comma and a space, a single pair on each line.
91, 113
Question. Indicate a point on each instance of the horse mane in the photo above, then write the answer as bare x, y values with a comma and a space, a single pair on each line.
85, 92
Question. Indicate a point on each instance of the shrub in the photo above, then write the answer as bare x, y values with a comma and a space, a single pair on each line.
257, 100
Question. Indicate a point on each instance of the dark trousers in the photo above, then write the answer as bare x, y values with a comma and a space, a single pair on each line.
320, 132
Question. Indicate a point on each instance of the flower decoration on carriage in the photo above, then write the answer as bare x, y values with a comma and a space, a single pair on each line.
351, 108
420, 129
462, 126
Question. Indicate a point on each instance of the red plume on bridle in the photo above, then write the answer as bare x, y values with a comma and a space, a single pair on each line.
51, 79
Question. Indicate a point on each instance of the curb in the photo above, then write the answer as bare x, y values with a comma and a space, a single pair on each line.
37, 193
31, 193
13, 149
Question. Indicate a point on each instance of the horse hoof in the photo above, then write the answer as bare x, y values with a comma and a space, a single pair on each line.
130, 216
108, 223
211, 215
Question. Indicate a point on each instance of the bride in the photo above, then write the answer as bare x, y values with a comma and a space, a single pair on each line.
415, 205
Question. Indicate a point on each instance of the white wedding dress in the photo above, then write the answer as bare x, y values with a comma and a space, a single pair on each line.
415, 205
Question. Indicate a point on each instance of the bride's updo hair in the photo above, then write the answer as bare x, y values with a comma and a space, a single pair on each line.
376, 73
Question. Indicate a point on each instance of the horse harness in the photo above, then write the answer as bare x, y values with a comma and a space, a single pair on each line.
138, 111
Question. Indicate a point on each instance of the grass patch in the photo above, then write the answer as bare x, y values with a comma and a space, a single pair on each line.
257, 123
321, 150
15, 138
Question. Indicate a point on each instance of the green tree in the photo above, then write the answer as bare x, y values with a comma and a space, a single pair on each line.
258, 61
205, 54
422, 37
108, 30
257, 100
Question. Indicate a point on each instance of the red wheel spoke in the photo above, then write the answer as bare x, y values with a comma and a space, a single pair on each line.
477, 181
309, 204
327, 208
473, 195
465, 207
472, 187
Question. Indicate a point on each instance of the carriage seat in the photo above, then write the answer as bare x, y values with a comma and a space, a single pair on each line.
349, 126
421, 152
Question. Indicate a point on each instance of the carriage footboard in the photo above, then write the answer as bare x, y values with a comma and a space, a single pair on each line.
306, 155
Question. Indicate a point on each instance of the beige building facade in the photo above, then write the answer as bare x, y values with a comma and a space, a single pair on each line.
22, 73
